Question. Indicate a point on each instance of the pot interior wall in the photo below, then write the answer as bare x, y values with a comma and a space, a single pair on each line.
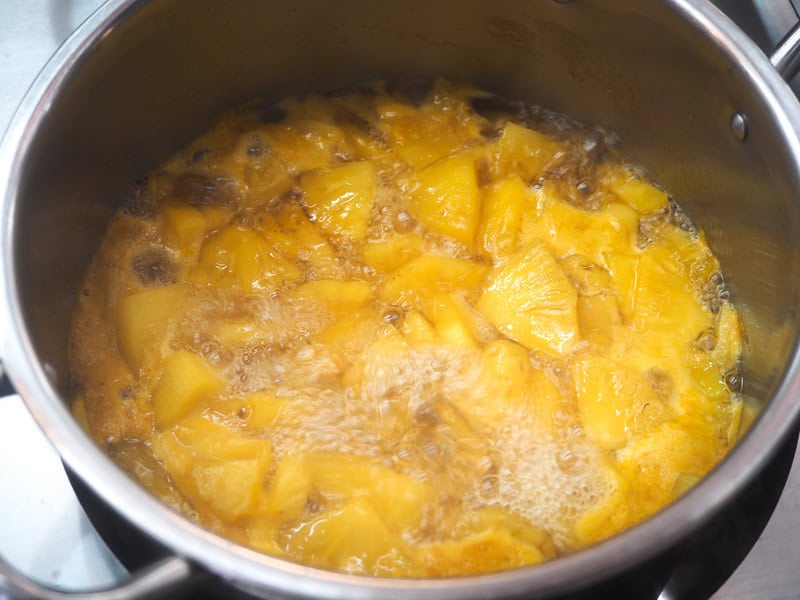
157, 78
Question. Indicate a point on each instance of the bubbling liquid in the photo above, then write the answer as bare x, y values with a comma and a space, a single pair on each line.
397, 335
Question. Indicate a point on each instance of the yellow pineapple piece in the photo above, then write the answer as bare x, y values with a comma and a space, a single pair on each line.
215, 468
588, 278
351, 331
728, 346
264, 174
253, 412
634, 191
655, 462
415, 283
417, 329
614, 401
615, 512
267, 226
525, 151
598, 318
290, 488
238, 257
232, 489
421, 136
624, 270
446, 198
305, 243
186, 225
143, 319
304, 144
485, 552
186, 380
340, 198
208, 441
454, 320
393, 253
350, 538
332, 295
502, 213
496, 540
387, 347
238, 330
509, 386
216, 215
530, 300
398, 499
665, 303
591, 233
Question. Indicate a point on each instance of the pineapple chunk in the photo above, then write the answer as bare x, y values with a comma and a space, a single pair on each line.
305, 243
399, 499
571, 230
142, 322
238, 257
212, 442
415, 283
352, 331
291, 487
660, 299
454, 320
614, 402
264, 174
417, 329
589, 278
656, 461
340, 198
728, 347
186, 225
495, 547
304, 144
388, 256
612, 514
530, 299
254, 412
216, 468
332, 295
525, 151
186, 380
351, 538
421, 136
508, 386
232, 489
502, 213
634, 191
446, 198
598, 316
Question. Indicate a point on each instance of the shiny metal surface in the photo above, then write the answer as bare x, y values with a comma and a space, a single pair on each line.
160, 580
235, 562
786, 57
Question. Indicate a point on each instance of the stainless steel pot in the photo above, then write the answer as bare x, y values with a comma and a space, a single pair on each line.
692, 98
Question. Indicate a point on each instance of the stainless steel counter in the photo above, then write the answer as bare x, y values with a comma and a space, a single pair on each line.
43, 530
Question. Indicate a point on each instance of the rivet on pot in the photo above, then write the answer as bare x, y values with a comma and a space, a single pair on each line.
738, 126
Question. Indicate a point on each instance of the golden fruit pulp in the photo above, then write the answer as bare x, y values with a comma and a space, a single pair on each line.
406, 339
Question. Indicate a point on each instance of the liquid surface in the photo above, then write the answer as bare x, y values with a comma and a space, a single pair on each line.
407, 334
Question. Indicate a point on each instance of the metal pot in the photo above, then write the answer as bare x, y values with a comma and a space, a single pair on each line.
692, 98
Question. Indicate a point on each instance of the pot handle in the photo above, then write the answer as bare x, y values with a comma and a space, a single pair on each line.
161, 579
786, 56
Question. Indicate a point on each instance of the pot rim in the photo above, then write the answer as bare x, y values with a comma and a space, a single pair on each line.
260, 572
